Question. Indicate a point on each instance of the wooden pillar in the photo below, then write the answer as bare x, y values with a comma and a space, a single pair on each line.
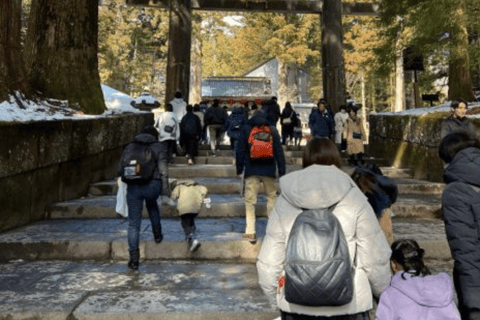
332, 54
179, 43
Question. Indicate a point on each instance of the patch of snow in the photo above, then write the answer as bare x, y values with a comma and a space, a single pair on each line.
421, 111
147, 98
18, 109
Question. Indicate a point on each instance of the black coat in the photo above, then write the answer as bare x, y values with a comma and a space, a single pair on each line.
243, 153
461, 212
191, 125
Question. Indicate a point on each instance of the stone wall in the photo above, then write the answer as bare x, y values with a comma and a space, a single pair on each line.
410, 141
51, 161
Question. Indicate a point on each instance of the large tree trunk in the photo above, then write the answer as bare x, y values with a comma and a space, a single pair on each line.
179, 46
332, 54
460, 84
12, 71
61, 52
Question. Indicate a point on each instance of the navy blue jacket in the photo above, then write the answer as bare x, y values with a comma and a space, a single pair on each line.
321, 124
461, 213
241, 118
243, 153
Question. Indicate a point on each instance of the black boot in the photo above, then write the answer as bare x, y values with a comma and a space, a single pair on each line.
157, 234
134, 257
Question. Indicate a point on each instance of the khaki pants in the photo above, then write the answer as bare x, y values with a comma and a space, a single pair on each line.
216, 135
385, 222
252, 184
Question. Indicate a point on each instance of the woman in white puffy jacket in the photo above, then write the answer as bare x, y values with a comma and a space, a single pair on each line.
322, 184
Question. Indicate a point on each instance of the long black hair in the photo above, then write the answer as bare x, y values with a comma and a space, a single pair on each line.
409, 255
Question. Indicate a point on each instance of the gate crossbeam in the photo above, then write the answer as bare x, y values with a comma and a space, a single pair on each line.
285, 6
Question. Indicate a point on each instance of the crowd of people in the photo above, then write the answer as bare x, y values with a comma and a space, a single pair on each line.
325, 228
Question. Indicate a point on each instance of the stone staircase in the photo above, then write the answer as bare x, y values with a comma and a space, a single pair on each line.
72, 264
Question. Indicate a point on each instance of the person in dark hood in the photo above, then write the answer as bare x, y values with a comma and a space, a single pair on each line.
190, 134
272, 110
457, 120
258, 155
461, 213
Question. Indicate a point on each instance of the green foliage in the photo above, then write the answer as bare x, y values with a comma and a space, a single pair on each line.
132, 47
431, 26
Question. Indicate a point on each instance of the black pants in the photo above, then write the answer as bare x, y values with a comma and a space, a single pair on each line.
188, 223
190, 143
294, 316
356, 159
171, 146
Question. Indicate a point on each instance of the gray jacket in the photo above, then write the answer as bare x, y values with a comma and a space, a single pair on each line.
320, 187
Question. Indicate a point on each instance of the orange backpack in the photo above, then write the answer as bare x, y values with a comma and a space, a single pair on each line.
261, 143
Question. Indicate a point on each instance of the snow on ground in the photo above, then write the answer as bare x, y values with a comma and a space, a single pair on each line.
445, 107
18, 109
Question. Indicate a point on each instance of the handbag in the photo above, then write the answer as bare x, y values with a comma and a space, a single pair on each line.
288, 120
357, 135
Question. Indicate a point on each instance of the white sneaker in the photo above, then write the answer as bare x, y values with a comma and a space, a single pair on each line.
190, 161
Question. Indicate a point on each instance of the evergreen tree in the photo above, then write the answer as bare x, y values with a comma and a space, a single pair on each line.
435, 26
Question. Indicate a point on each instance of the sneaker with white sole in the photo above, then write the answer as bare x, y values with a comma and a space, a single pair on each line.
193, 244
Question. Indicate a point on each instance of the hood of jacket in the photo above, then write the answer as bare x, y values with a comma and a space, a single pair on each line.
260, 118
465, 167
184, 182
145, 138
304, 188
430, 291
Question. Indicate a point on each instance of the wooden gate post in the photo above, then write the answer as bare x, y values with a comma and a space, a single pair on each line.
332, 54
179, 43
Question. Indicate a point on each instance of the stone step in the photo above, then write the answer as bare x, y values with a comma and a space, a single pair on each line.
229, 171
106, 239
227, 158
181, 290
224, 206
233, 185
46, 290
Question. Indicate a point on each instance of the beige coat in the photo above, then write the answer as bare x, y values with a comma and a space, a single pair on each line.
354, 146
190, 196
320, 187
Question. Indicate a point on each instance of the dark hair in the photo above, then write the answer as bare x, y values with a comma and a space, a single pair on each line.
178, 94
288, 105
456, 103
169, 107
322, 101
150, 130
274, 98
409, 255
196, 107
321, 151
189, 108
343, 107
215, 103
254, 106
365, 180
454, 142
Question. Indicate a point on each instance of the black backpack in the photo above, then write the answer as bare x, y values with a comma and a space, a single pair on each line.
137, 163
317, 269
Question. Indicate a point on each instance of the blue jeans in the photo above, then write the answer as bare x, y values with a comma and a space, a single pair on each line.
136, 194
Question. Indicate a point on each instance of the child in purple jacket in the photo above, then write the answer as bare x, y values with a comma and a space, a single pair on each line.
413, 293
